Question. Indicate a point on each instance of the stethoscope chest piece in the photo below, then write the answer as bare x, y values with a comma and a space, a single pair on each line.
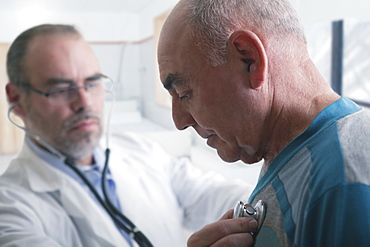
258, 212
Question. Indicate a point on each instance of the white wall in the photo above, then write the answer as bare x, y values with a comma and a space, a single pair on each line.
316, 11
151, 110
94, 26
310, 12
135, 27
147, 15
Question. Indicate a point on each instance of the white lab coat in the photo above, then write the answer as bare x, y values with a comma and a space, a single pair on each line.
42, 206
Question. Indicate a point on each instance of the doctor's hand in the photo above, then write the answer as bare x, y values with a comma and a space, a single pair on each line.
225, 232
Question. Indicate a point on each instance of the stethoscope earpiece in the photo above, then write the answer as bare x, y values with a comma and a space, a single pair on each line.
12, 105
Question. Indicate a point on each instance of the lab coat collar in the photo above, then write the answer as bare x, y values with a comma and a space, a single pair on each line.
42, 177
58, 163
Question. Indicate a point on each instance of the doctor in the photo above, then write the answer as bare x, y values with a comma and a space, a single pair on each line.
56, 88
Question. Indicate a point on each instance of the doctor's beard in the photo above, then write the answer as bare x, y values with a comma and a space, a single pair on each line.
80, 144
75, 146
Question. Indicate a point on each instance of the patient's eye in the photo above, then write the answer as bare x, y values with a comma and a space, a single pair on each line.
184, 94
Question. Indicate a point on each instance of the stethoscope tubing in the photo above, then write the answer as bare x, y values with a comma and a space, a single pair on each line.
113, 212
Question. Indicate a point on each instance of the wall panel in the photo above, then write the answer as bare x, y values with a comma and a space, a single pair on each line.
10, 136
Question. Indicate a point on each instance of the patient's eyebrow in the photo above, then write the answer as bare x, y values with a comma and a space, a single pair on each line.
174, 80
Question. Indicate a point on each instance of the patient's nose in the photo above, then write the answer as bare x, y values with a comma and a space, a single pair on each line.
181, 116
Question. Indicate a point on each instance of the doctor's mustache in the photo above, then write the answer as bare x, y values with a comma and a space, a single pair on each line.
79, 117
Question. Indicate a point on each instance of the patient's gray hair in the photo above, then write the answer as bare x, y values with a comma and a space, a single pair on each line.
213, 21
18, 50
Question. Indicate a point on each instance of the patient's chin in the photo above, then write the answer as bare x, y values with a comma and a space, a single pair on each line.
228, 156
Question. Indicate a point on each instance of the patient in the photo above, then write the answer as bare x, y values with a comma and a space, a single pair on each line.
57, 88
240, 74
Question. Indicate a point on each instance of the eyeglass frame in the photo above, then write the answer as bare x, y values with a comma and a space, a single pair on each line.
49, 93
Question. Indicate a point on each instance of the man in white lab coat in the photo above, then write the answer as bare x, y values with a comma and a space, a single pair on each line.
57, 89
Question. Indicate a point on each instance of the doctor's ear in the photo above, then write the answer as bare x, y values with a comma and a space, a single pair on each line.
249, 49
13, 95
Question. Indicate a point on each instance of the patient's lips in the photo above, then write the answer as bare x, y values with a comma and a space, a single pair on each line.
211, 140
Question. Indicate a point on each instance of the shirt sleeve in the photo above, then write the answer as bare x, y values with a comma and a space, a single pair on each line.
204, 197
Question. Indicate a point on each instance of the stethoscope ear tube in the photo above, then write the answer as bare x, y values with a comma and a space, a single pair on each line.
38, 138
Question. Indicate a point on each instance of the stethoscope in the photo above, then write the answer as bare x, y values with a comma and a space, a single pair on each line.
258, 212
106, 203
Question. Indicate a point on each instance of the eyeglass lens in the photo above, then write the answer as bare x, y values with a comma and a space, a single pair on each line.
70, 94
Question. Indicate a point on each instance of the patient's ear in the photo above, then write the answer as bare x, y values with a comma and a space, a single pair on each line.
13, 94
249, 49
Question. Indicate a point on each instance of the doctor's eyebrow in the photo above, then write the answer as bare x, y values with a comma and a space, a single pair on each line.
94, 77
174, 80
56, 81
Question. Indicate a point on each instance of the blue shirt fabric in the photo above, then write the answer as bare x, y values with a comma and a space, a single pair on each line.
92, 172
317, 189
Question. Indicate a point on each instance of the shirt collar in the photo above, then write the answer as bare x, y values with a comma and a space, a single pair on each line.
56, 162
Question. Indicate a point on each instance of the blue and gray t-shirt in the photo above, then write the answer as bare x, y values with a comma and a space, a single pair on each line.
317, 189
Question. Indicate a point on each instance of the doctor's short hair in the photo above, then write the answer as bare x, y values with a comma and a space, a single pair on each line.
213, 21
17, 73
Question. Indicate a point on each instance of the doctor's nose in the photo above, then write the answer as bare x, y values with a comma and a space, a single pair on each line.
181, 117
82, 99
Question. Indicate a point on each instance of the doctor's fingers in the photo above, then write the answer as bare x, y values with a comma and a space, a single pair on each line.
228, 232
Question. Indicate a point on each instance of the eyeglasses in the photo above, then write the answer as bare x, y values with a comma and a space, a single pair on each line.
63, 95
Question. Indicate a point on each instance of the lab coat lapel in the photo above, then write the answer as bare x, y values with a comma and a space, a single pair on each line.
78, 204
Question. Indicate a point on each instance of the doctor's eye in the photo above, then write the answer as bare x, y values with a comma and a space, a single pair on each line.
93, 85
61, 91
